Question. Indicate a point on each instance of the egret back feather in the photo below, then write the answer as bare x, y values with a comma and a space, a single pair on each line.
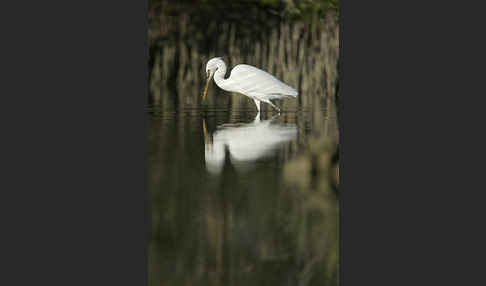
255, 82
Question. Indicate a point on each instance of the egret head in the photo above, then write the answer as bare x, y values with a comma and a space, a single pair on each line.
211, 67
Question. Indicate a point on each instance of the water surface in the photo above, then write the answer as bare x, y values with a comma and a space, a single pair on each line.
229, 202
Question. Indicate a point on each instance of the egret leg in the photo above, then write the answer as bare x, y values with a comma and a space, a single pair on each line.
257, 103
273, 105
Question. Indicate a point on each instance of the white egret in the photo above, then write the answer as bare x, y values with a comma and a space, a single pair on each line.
248, 80
245, 143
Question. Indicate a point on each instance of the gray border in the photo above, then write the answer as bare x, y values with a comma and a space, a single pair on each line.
74, 144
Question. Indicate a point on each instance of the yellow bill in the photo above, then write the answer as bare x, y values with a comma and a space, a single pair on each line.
206, 87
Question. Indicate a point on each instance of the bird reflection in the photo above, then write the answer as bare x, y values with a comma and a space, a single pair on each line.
245, 143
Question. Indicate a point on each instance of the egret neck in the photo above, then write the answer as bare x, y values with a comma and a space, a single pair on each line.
220, 73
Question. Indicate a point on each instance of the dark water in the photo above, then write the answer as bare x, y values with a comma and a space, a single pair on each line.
229, 202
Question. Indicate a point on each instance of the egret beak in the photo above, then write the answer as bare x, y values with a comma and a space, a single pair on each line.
210, 76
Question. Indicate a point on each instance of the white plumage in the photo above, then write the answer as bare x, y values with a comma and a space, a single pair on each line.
250, 81
245, 143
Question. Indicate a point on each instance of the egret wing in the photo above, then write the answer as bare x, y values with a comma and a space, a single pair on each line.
250, 80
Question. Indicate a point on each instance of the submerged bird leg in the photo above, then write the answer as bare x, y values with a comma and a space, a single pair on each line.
274, 117
257, 103
257, 118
